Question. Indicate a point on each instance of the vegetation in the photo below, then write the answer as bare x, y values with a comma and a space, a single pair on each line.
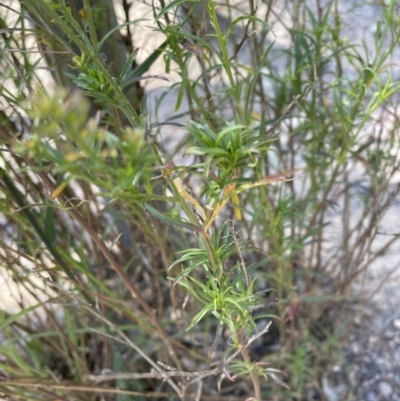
211, 266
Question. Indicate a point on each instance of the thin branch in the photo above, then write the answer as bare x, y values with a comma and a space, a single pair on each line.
295, 101
172, 372
152, 375
199, 391
96, 313
242, 263
36, 51
222, 366
114, 265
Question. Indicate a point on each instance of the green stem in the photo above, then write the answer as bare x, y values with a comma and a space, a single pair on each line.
89, 19
189, 213
253, 375
87, 49
136, 293
20, 200
225, 55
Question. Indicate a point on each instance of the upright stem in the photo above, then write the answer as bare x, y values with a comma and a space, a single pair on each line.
118, 269
89, 19
191, 216
253, 374
222, 39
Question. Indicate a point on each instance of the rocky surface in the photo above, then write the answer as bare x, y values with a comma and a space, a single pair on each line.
371, 368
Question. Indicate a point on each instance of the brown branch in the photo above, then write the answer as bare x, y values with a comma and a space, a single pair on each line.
152, 375
124, 338
242, 263
115, 266
195, 376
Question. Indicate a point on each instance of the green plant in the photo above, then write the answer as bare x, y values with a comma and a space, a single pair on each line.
135, 259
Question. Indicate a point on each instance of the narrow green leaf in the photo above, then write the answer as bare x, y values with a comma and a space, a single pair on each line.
189, 257
32, 217
127, 67
234, 302
9, 320
112, 31
249, 18
181, 93
171, 220
165, 93
145, 66
200, 316
227, 131
187, 271
175, 3
228, 90
49, 226
250, 90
